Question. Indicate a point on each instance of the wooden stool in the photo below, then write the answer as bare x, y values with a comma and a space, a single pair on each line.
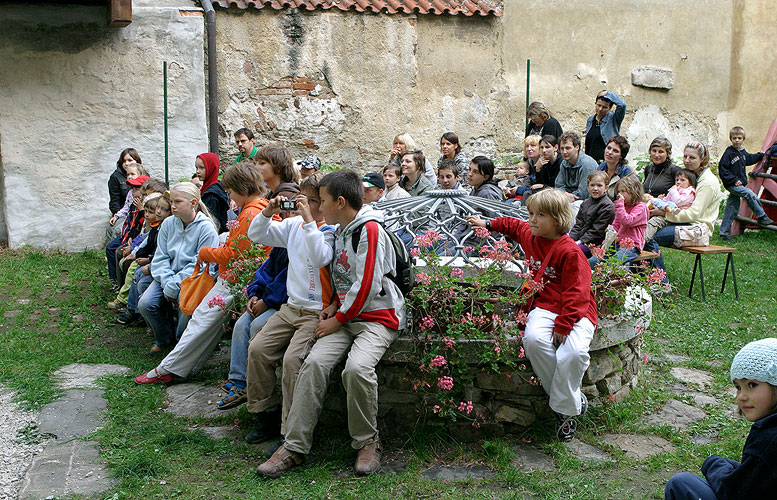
712, 249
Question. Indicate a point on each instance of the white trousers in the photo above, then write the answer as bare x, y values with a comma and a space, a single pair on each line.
562, 369
201, 336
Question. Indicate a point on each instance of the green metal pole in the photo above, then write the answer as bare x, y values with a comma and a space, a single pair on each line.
164, 77
528, 78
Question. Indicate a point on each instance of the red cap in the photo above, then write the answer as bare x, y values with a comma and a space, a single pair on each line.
137, 181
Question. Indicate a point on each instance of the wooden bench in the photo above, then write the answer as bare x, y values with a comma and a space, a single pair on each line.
712, 249
645, 255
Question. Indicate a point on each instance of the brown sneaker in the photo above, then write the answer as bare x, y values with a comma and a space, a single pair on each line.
368, 459
280, 461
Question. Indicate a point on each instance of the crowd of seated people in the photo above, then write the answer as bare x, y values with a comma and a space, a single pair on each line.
322, 291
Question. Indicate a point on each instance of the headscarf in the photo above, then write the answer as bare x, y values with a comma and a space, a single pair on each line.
211, 161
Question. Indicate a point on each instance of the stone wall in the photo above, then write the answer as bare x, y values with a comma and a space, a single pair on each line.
507, 400
74, 93
363, 78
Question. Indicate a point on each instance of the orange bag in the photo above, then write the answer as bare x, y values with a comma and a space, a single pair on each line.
194, 289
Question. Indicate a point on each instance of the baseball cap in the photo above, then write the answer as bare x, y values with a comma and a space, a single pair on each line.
310, 162
137, 181
373, 179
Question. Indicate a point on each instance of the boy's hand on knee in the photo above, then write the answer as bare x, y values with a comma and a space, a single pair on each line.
558, 339
146, 269
329, 312
326, 327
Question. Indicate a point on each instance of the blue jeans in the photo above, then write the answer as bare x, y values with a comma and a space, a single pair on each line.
159, 313
735, 194
110, 254
665, 238
687, 486
244, 330
622, 255
139, 285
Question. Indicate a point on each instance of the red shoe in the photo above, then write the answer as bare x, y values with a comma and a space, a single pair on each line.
158, 379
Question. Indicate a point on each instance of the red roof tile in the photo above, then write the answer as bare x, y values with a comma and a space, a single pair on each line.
437, 7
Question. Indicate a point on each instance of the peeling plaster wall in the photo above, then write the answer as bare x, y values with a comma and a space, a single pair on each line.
74, 93
355, 80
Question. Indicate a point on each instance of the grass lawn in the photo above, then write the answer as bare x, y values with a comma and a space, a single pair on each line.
52, 313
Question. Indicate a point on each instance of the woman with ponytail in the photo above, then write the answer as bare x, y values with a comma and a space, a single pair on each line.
179, 241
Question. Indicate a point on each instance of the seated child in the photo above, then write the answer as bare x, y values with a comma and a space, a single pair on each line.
178, 243
265, 294
732, 171
562, 318
753, 374
360, 325
520, 183
374, 186
482, 179
245, 185
680, 196
391, 175
133, 170
131, 228
141, 277
448, 175
595, 214
148, 187
631, 216
211, 192
128, 264
289, 334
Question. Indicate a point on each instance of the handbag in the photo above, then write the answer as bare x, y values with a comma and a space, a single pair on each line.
695, 235
194, 289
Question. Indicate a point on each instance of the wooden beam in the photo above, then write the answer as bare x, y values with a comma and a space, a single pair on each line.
120, 13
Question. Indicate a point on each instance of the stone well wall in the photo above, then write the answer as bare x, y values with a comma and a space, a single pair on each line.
507, 400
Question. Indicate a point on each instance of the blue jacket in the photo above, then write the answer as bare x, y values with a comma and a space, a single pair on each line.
177, 249
270, 282
732, 165
611, 123
756, 476
574, 178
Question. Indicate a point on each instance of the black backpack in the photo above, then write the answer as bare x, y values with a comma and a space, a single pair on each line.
404, 275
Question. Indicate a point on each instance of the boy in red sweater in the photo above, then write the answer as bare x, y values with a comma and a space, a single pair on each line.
562, 316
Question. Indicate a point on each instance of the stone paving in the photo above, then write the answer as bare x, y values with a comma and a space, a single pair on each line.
68, 464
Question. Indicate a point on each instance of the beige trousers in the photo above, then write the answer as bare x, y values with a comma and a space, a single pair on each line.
364, 343
288, 336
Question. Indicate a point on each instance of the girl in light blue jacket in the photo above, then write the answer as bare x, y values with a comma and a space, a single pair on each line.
178, 244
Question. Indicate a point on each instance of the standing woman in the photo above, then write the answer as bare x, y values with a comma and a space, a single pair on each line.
615, 163
401, 145
451, 149
540, 121
213, 195
179, 241
704, 208
412, 179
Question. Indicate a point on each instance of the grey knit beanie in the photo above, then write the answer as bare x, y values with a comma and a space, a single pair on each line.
756, 361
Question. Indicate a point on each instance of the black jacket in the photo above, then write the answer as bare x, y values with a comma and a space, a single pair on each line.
550, 127
756, 476
547, 176
147, 251
732, 165
217, 201
117, 189
592, 220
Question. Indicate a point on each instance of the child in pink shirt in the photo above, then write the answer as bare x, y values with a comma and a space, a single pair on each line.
631, 216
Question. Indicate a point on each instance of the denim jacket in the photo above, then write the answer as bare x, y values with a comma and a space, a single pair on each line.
611, 123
